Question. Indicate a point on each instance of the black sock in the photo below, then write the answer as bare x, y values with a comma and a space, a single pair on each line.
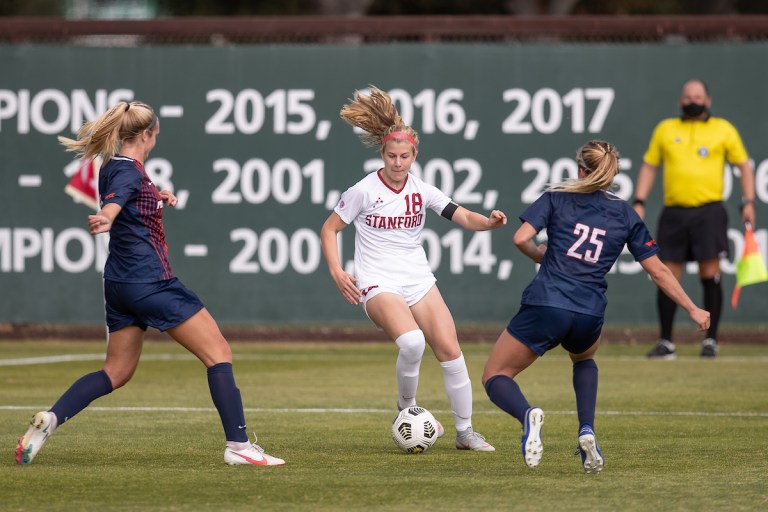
666, 308
713, 302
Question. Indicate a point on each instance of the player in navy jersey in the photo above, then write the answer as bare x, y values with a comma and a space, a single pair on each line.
587, 228
140, 289
392, 277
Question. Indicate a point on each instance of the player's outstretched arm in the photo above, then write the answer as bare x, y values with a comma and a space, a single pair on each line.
666, 281
346, 283
477, 221
102, 221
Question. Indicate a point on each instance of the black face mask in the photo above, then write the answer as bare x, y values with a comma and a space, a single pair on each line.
694, 109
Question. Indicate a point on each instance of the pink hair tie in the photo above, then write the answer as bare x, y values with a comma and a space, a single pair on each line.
398, 135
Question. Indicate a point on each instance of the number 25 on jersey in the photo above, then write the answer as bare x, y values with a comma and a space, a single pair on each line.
591, 251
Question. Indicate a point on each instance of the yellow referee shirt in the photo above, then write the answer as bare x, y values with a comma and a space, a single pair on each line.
694, 155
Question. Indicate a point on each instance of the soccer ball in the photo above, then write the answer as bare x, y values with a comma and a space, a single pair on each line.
414, 429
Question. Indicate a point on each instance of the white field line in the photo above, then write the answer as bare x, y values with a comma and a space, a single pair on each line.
316, 410
332, 410
24, 361
67, 358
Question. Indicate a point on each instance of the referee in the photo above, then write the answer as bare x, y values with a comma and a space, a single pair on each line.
693, 224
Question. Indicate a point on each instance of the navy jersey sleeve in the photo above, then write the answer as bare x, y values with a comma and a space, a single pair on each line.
639, 242
538, 214
121, 184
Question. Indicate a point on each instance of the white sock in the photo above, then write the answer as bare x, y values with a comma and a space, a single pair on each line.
459, 389
236, 446
411, 346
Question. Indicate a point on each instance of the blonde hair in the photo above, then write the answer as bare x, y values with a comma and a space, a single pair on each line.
104, 136
378, 117
600, 162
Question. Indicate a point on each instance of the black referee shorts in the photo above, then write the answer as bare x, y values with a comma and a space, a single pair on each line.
693, 234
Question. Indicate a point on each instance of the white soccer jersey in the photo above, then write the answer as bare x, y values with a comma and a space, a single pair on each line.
388, 225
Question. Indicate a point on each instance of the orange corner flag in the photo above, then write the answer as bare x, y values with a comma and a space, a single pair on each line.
750, 269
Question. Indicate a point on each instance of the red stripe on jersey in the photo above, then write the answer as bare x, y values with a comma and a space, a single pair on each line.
152, 218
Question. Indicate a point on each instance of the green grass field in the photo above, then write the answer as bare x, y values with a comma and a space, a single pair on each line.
689, 434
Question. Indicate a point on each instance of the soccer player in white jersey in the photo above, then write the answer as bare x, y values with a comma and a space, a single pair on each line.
392, 277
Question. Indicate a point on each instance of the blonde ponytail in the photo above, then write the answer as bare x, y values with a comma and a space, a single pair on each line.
377, 116
104, 136
599, 161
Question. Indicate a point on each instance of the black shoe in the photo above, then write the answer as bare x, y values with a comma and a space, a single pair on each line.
708, 348
664, 349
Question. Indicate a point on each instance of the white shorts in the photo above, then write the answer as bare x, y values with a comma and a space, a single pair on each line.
411, 293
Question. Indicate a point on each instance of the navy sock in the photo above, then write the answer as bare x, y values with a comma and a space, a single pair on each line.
667, 309
226, 398
506, 394
585, 386
84, 391
713, 302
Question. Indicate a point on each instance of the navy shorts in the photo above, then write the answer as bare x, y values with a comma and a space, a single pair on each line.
693, 234
162, 304
542, 328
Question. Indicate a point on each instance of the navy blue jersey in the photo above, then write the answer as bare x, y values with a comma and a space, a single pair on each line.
137, 249
586, 234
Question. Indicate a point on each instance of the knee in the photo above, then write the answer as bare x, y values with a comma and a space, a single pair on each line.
119, 376
215, 353
411, 345
491, 373
487, 382
450, 354
446, 349
583, 363
488, 375
225, 352
499, 367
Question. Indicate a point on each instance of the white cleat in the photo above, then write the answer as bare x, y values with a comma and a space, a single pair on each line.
253, 455
35, 437
532, 445
471, 440
591, 457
